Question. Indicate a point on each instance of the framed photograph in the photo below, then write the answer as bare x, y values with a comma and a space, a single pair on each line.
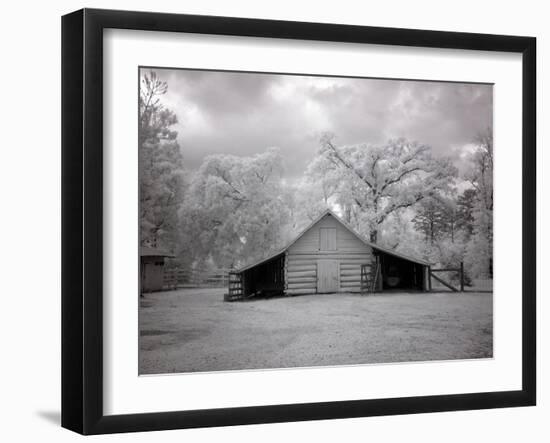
268, 221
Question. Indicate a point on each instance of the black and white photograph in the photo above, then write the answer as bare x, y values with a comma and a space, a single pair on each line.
275, 221
294, 221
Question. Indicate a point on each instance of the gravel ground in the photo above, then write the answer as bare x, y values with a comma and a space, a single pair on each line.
193, 330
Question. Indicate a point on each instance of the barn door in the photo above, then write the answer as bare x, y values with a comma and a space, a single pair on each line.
328, 276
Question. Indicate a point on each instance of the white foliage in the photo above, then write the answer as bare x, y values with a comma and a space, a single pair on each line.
373, 182
479, 252
236, 209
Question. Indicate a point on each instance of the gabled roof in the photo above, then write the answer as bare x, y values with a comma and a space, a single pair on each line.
345, 225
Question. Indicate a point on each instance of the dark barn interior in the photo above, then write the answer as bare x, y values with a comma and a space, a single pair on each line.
400, 274
266, 279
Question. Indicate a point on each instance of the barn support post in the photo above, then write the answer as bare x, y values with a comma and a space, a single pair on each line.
461, 276
378, 284
285, 274
429, 278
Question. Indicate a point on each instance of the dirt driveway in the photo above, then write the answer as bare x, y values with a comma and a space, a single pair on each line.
194, 330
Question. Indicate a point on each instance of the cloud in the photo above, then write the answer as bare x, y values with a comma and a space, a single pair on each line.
245, 113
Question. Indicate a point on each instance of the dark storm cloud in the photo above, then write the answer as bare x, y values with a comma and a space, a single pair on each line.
243, 114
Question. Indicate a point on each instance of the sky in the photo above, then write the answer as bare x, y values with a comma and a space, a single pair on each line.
246, 113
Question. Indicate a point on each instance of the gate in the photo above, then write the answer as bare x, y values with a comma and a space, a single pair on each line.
432, 274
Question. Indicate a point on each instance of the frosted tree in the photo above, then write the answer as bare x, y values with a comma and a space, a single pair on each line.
429, 219
481, 175
437, 218
309, 201
479, 254
378, 181
323, 179
479, 251
398, 233
237, 208
155, 120
465, 208
316, 192
161, 181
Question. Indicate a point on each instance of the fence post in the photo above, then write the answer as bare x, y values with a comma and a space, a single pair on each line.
461, 276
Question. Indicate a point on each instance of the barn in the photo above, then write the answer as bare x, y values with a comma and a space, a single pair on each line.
327, 257
152, 268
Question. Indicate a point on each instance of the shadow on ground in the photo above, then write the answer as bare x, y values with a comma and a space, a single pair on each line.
53, 417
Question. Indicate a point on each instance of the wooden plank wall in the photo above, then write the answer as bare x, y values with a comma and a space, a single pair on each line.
302, 256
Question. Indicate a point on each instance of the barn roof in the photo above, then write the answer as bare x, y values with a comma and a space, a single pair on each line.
349, 228
147, 251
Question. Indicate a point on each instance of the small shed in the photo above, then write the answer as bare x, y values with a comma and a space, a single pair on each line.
329, 256
152, 268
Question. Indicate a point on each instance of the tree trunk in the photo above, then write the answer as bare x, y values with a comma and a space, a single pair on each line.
452, 233
373, 236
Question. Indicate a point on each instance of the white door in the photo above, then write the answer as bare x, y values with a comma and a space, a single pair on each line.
328, 276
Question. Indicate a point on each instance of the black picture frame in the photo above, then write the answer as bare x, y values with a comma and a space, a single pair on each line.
82, 218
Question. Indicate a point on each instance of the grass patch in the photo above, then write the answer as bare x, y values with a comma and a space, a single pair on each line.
192, 330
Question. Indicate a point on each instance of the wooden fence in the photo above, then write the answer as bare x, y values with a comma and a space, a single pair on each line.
195, 278
448, 284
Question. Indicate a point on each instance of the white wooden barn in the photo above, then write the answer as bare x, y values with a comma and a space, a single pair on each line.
329, 256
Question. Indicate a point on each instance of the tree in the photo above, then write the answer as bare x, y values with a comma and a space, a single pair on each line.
236, 209
430, 219
378, 181
465, 206
399, 234
155, 120
450, 217
317, 191
161, 180
310, 200
480, 247
481, 176
479, 250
